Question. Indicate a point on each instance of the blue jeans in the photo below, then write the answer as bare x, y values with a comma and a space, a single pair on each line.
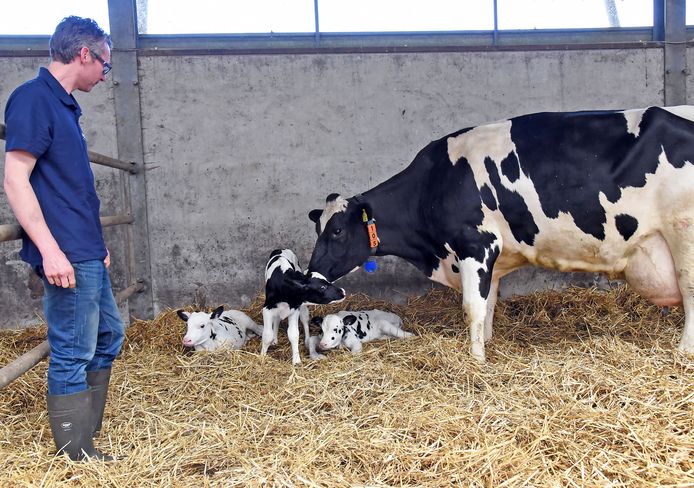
85, 330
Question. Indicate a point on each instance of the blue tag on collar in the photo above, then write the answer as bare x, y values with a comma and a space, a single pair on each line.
370, 265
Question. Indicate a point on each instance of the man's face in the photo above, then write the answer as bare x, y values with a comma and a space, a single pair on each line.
93, 68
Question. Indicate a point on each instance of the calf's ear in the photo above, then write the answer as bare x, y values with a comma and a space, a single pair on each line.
183, 315
315, 214
295, 280
217, 312
317, 321
349, 319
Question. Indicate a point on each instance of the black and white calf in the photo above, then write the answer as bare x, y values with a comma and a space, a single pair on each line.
351, 329
288, 291
608, 191
219, 329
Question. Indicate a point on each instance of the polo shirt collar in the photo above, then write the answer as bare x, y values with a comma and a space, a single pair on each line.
58, 89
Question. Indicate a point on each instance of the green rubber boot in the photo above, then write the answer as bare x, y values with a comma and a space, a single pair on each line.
72, 425
98, 385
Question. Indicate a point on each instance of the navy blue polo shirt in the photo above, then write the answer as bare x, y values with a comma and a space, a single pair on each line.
43, 119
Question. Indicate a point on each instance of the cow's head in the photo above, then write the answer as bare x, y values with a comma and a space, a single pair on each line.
343, 241
199, 325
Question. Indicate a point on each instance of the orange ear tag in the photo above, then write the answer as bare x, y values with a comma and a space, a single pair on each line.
373, 235
370, 228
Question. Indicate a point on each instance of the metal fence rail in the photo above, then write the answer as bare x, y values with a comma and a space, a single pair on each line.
9, 232
97, 158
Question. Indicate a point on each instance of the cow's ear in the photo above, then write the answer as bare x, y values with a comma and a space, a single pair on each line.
217, 312
183, 315
315, 214
332, 197
318, 320
349, 319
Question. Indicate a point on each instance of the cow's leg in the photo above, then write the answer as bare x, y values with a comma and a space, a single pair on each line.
679, 235
293, 335
270, 324
491, 305
476, 270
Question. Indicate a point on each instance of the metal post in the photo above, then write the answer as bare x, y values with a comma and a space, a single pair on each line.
658, 20
675, 53
123, 22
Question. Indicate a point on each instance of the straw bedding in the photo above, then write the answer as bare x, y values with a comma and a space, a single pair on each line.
581, 388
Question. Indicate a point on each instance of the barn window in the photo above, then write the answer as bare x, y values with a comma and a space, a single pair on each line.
560, 14
404, 15
39, 17
228, 17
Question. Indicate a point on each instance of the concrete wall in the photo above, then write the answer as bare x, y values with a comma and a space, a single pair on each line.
240, 148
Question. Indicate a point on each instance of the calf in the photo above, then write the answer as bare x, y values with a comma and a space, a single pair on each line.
609, 192
288, 291
351, 329
217, 330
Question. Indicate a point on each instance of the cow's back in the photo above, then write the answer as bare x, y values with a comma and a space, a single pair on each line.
569, 190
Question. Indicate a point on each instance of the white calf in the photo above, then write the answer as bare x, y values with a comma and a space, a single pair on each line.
351, 329
287, 292
217, 330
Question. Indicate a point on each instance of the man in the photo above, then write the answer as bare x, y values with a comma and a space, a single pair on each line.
50, 187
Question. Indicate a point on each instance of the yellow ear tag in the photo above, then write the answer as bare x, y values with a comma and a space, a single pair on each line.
364, 218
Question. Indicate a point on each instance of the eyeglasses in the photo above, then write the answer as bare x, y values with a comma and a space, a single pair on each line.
107, 66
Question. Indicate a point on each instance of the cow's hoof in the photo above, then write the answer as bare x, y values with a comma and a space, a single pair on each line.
686, 347
477, 352
318, 356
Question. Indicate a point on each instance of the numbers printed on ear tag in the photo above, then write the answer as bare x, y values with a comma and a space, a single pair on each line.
373, 235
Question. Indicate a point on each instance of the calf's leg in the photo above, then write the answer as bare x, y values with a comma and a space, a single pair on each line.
293, 334
304, 317
392, 330
269, 336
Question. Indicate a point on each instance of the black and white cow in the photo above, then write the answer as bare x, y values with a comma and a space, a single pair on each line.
288, 291
608, 191
350, 329
219, 329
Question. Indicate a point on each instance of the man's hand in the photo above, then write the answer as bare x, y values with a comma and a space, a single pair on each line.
58, 270
107, 260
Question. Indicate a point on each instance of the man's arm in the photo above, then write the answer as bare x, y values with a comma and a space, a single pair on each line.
22, 199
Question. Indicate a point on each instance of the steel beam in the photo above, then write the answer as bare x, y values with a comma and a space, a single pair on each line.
123, 22
676, 71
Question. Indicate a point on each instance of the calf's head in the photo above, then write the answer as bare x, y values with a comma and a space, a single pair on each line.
313, 288
199, 325
343, 241
332, 328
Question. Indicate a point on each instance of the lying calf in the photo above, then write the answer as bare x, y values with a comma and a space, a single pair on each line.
287, 292
218, 329
351, 329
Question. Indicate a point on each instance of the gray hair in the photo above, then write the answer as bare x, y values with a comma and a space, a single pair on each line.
72, 34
